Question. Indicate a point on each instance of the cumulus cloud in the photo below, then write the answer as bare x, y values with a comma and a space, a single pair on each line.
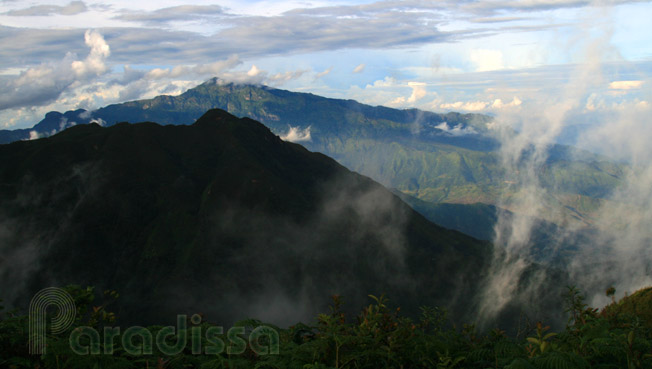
296, 134
468, 106
75, 7
379, 25
45, 83
457, 130
418, 92
498, 103
94, 62
386, 91
625, 85
254, 71
139, 83
600, 103
359, 68
476, 106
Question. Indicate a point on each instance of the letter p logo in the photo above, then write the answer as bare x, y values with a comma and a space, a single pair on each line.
51, 296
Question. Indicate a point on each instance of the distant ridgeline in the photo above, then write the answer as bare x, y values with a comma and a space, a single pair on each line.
436, 158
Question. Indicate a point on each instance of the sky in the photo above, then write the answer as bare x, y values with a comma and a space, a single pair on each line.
492, 56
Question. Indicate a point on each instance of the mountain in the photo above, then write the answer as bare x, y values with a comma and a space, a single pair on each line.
438, 158
479, 220
220, 217
279, 110
637, 306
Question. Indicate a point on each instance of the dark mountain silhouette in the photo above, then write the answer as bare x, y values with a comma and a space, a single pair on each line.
220, 217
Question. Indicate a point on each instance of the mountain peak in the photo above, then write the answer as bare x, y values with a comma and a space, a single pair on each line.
215, 116
180, 216
244, 130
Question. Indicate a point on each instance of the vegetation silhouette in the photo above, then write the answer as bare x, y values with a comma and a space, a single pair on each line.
377, 337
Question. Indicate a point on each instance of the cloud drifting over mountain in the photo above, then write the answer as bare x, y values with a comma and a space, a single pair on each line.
614, 254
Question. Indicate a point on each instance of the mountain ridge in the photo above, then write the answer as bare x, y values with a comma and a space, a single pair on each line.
221, 217
438, 158
191, 104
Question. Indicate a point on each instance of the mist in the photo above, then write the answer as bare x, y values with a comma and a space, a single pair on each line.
616, 252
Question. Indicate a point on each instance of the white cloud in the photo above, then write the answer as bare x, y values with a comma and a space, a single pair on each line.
487, 60
457, 130
598, 103
385, 82
43, 84
468, 106
478, 105
296, 134
94, 62
99, 121
359, 68
498, 103
418, 91
625, 85
254, 71
324, 73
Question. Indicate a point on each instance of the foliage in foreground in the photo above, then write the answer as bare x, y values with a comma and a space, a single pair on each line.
378, 337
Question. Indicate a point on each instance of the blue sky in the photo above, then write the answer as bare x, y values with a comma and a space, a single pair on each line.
491, 57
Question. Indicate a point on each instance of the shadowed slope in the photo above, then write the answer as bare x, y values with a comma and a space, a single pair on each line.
220, 217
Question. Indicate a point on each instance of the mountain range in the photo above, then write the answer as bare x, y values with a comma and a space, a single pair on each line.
220, 217
437, 158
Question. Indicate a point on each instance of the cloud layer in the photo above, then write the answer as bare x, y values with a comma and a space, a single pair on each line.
75, 7
481, 56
